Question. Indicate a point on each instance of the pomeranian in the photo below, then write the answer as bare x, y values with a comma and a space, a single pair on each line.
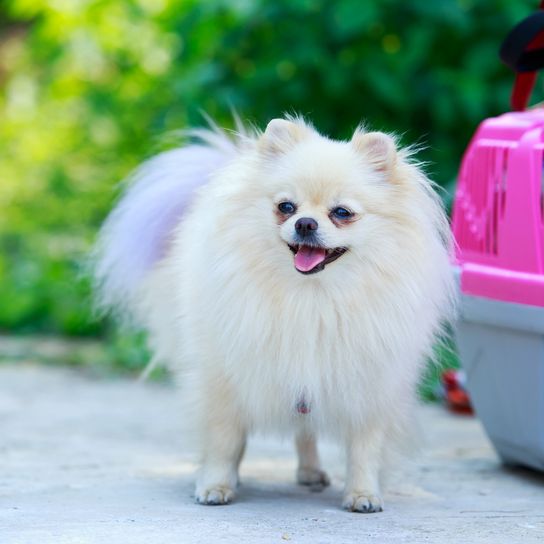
299, 283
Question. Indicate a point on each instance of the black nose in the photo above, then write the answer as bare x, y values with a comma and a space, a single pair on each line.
305, 226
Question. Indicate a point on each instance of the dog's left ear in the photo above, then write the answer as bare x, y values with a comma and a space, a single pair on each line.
281, 135
378, 148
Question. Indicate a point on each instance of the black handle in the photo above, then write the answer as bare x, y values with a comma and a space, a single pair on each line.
513, 49
523, 51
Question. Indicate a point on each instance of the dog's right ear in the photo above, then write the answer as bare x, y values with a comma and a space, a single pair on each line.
378, 148
282, 135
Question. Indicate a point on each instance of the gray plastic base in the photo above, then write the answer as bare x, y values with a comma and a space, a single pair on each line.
501, 345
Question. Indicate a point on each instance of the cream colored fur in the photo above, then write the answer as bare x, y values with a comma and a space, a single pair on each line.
252, 336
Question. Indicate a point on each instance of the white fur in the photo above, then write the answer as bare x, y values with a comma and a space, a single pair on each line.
253, 336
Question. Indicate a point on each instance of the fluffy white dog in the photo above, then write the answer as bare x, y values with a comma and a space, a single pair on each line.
299, 282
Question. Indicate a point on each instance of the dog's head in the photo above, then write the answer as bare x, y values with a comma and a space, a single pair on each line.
328, 202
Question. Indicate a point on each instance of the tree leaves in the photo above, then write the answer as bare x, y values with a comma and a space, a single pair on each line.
88, 89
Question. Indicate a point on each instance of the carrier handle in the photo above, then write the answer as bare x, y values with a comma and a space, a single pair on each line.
523, 51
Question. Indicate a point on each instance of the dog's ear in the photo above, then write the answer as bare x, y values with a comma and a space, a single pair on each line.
378, 148
281, 135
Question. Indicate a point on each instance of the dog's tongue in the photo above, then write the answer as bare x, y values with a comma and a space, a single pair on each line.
308, 257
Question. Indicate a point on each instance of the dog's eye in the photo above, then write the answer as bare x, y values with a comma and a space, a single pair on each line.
341, 213
287, 208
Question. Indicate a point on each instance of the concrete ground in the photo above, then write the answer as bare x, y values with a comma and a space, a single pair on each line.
88, 461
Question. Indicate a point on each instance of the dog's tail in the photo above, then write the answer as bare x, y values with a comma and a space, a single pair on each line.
136, 234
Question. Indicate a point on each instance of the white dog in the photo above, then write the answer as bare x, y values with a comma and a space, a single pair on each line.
299, 282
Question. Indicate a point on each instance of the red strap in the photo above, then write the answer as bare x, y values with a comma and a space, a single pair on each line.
525, 81
523, 86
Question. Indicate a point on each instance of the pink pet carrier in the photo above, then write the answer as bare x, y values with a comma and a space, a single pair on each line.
498, 224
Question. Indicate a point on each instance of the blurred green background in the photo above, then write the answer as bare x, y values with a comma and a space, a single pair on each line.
89, 88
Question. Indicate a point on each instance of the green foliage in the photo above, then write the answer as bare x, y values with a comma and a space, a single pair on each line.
445, 357
88, 88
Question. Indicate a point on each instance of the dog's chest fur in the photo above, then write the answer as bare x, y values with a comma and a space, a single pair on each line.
294, 355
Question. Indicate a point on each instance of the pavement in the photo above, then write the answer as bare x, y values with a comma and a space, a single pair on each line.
85, 461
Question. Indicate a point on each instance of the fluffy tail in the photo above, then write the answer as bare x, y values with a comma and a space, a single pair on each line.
136, 234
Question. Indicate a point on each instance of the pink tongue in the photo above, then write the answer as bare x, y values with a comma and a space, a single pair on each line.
308, 257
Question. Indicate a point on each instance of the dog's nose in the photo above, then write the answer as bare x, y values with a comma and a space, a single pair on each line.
305, 226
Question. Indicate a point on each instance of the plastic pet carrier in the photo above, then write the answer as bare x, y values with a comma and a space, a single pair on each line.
498, 224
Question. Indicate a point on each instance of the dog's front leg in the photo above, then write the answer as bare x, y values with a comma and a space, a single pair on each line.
364, 457
223, 444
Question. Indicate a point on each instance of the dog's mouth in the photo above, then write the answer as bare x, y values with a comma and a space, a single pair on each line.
312, 259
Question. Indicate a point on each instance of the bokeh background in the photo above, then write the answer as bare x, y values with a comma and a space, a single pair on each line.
90, 88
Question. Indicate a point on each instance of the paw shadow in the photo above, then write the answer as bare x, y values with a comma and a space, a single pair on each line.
261, 492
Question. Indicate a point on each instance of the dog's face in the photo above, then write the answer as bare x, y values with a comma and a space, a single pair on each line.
326, 198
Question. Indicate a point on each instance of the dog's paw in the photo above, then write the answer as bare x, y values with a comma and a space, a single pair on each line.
365, 503
314, 478
214, 496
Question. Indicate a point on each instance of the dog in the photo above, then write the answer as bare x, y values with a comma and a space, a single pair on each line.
298, 282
